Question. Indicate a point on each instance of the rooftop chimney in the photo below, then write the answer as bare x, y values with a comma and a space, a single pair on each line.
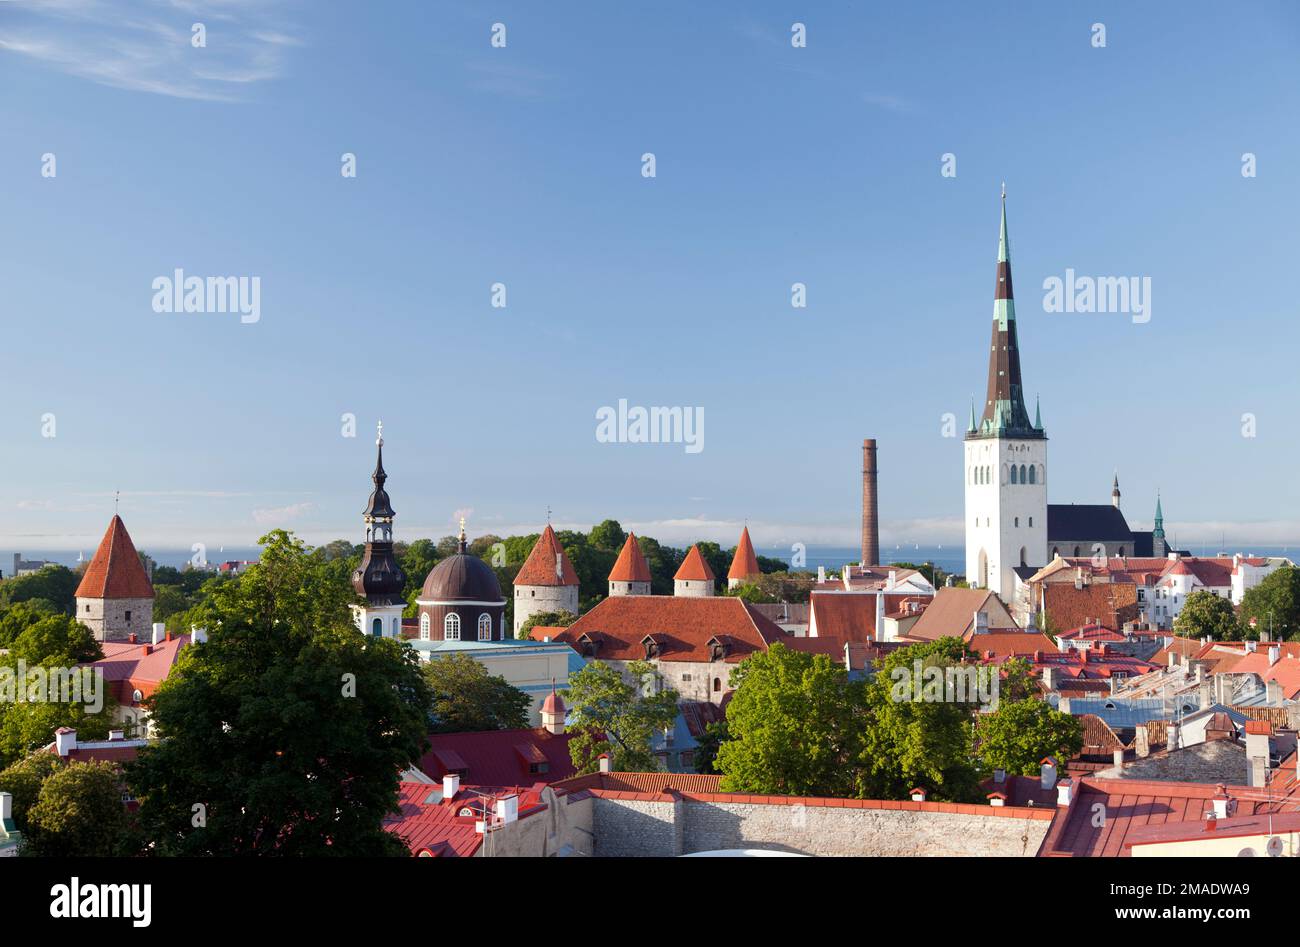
508, 809
1063, 791
159, 632
133, 638
1222, 802
999, 776
917, 794
1118, 757
821, 573
116, 735
6, 807
198, 635
870, 509
1252, 646
997, 799
1048, 775
450, 785
880, 616
1274, 652
893, 580
65, 740
1258, 733
605, 763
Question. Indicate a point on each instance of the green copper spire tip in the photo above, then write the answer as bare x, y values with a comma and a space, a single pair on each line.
972, 415
1038, 414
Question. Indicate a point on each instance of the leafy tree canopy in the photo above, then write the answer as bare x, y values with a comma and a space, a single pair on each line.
610, 715
465, 697
1205, 613
79, 813
284, 733
1274, 603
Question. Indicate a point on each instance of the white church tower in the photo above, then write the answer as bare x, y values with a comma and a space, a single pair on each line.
1006, 458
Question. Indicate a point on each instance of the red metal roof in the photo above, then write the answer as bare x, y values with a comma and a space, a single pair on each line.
433, 826
115, 571
499, 757
130, 667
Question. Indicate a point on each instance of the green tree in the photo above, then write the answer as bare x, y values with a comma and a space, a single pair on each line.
1019, 734
794, 726
546, 620
1275, 604
609, 715
465, 697
54, 583
707, 746
169, 600
913, 740
288, 729
79, 813
1205, 613
23, 779
607, 535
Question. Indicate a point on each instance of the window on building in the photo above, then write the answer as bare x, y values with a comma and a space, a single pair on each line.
1013, 474
1032, 470
451, 627
377, 626
717, 684
424, 626
1022, 473
1016, 521
485, 627
128, 614
1031, 519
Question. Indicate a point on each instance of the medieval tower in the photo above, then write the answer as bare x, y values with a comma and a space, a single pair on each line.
1005, 458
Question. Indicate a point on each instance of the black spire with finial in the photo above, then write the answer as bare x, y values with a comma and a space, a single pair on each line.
379, 577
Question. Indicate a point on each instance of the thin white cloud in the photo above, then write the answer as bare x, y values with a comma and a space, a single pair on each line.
145, 46
281, 515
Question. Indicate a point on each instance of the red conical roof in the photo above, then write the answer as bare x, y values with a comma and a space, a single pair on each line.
540, 567
631, 565
744, 564
115, 571
694, 568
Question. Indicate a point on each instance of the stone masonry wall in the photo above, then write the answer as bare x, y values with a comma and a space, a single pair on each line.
533, 599
107, 617
696, 823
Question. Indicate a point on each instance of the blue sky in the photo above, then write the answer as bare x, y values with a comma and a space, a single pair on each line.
522, 165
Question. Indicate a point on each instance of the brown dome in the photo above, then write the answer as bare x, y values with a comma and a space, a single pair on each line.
462, 578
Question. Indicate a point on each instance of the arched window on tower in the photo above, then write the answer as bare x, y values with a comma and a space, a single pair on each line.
1013, 474
424, 626
377, 626
1022, 474
1033, 468
485, 627
1022, 556
451, 627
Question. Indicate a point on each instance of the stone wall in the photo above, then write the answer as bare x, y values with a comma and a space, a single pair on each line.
113, 619
693, 680
533, 599
627, 824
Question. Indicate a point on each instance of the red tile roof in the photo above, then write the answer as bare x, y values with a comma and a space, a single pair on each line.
115, 571
540, 566
1093, 632
694, 568
499, 757
744, 564
131, 667
642, 782
631, 565
849, 616
1001, 645
1106, 603
952, 614
682, 628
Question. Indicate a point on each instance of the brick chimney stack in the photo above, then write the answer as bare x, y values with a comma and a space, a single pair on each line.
870, 509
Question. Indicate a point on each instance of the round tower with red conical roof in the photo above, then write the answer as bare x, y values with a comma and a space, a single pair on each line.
547, 582
631, 573
694, 579
744, 564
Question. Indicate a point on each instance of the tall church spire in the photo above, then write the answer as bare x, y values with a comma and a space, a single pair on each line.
1004, 406
379, 577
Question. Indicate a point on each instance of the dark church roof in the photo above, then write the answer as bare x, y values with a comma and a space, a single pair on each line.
1097, 522
462, 578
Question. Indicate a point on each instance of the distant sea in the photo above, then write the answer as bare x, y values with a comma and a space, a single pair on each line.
175, 558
